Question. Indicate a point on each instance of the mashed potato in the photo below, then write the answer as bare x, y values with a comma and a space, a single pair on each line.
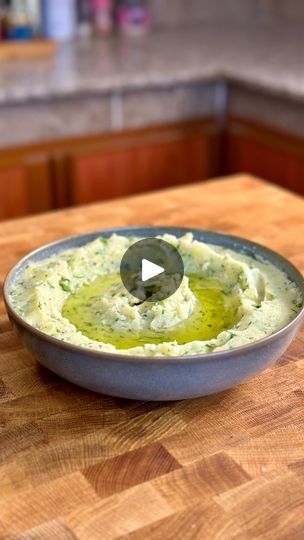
263, 298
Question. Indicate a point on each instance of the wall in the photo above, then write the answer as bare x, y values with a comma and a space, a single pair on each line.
174, 12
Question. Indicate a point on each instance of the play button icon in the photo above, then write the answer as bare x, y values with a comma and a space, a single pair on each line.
152, 270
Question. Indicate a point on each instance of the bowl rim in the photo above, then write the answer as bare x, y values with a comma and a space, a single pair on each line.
119, 357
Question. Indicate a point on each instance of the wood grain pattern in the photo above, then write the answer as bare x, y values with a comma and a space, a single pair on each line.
25, 185
44, 176
75, 465
261, 150
139, 169
129, 469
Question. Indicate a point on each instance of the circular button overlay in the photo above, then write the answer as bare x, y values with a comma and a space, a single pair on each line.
151, 270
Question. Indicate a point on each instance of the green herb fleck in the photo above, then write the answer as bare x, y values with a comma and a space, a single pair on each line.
65, 285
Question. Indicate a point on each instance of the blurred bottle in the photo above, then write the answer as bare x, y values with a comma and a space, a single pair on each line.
34, 12
59, 18
103, 16
85, 17
3, 18
133, 17
18, 23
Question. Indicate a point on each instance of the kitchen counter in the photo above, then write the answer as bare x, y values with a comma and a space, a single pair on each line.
264, 57
77, 465
93, 87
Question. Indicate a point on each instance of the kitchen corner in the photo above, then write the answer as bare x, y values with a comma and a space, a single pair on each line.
199, 85
170, 75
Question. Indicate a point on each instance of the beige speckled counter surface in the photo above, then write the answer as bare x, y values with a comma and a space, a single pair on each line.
264, 56
97, 86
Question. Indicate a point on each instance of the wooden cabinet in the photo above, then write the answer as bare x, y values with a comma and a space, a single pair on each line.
25, 184
142, 161
275, 156
79, 171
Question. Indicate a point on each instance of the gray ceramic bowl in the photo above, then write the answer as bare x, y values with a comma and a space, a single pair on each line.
171, 378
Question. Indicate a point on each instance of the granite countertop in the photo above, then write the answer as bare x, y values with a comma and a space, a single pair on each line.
264, 57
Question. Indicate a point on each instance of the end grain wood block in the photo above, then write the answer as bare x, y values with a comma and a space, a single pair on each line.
165, 495
192, 484
30, 380
202, 520
82, 419
50, 530
119, 514
62, 458
129, 469
9, 342
13, 479
5, 393
293, 352
79, 466
13, 361
220, 472
30, 408
46, 502
262, 454
268, 507
297, 467
18, 439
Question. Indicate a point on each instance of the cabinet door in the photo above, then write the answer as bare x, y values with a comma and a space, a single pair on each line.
25, 186
144, 165
273, 156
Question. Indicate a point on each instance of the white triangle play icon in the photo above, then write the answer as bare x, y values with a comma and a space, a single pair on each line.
150, 270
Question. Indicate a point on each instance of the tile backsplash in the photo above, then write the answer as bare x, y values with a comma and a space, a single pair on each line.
175, 12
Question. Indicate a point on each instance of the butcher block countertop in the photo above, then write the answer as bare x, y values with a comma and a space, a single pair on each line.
78, 465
